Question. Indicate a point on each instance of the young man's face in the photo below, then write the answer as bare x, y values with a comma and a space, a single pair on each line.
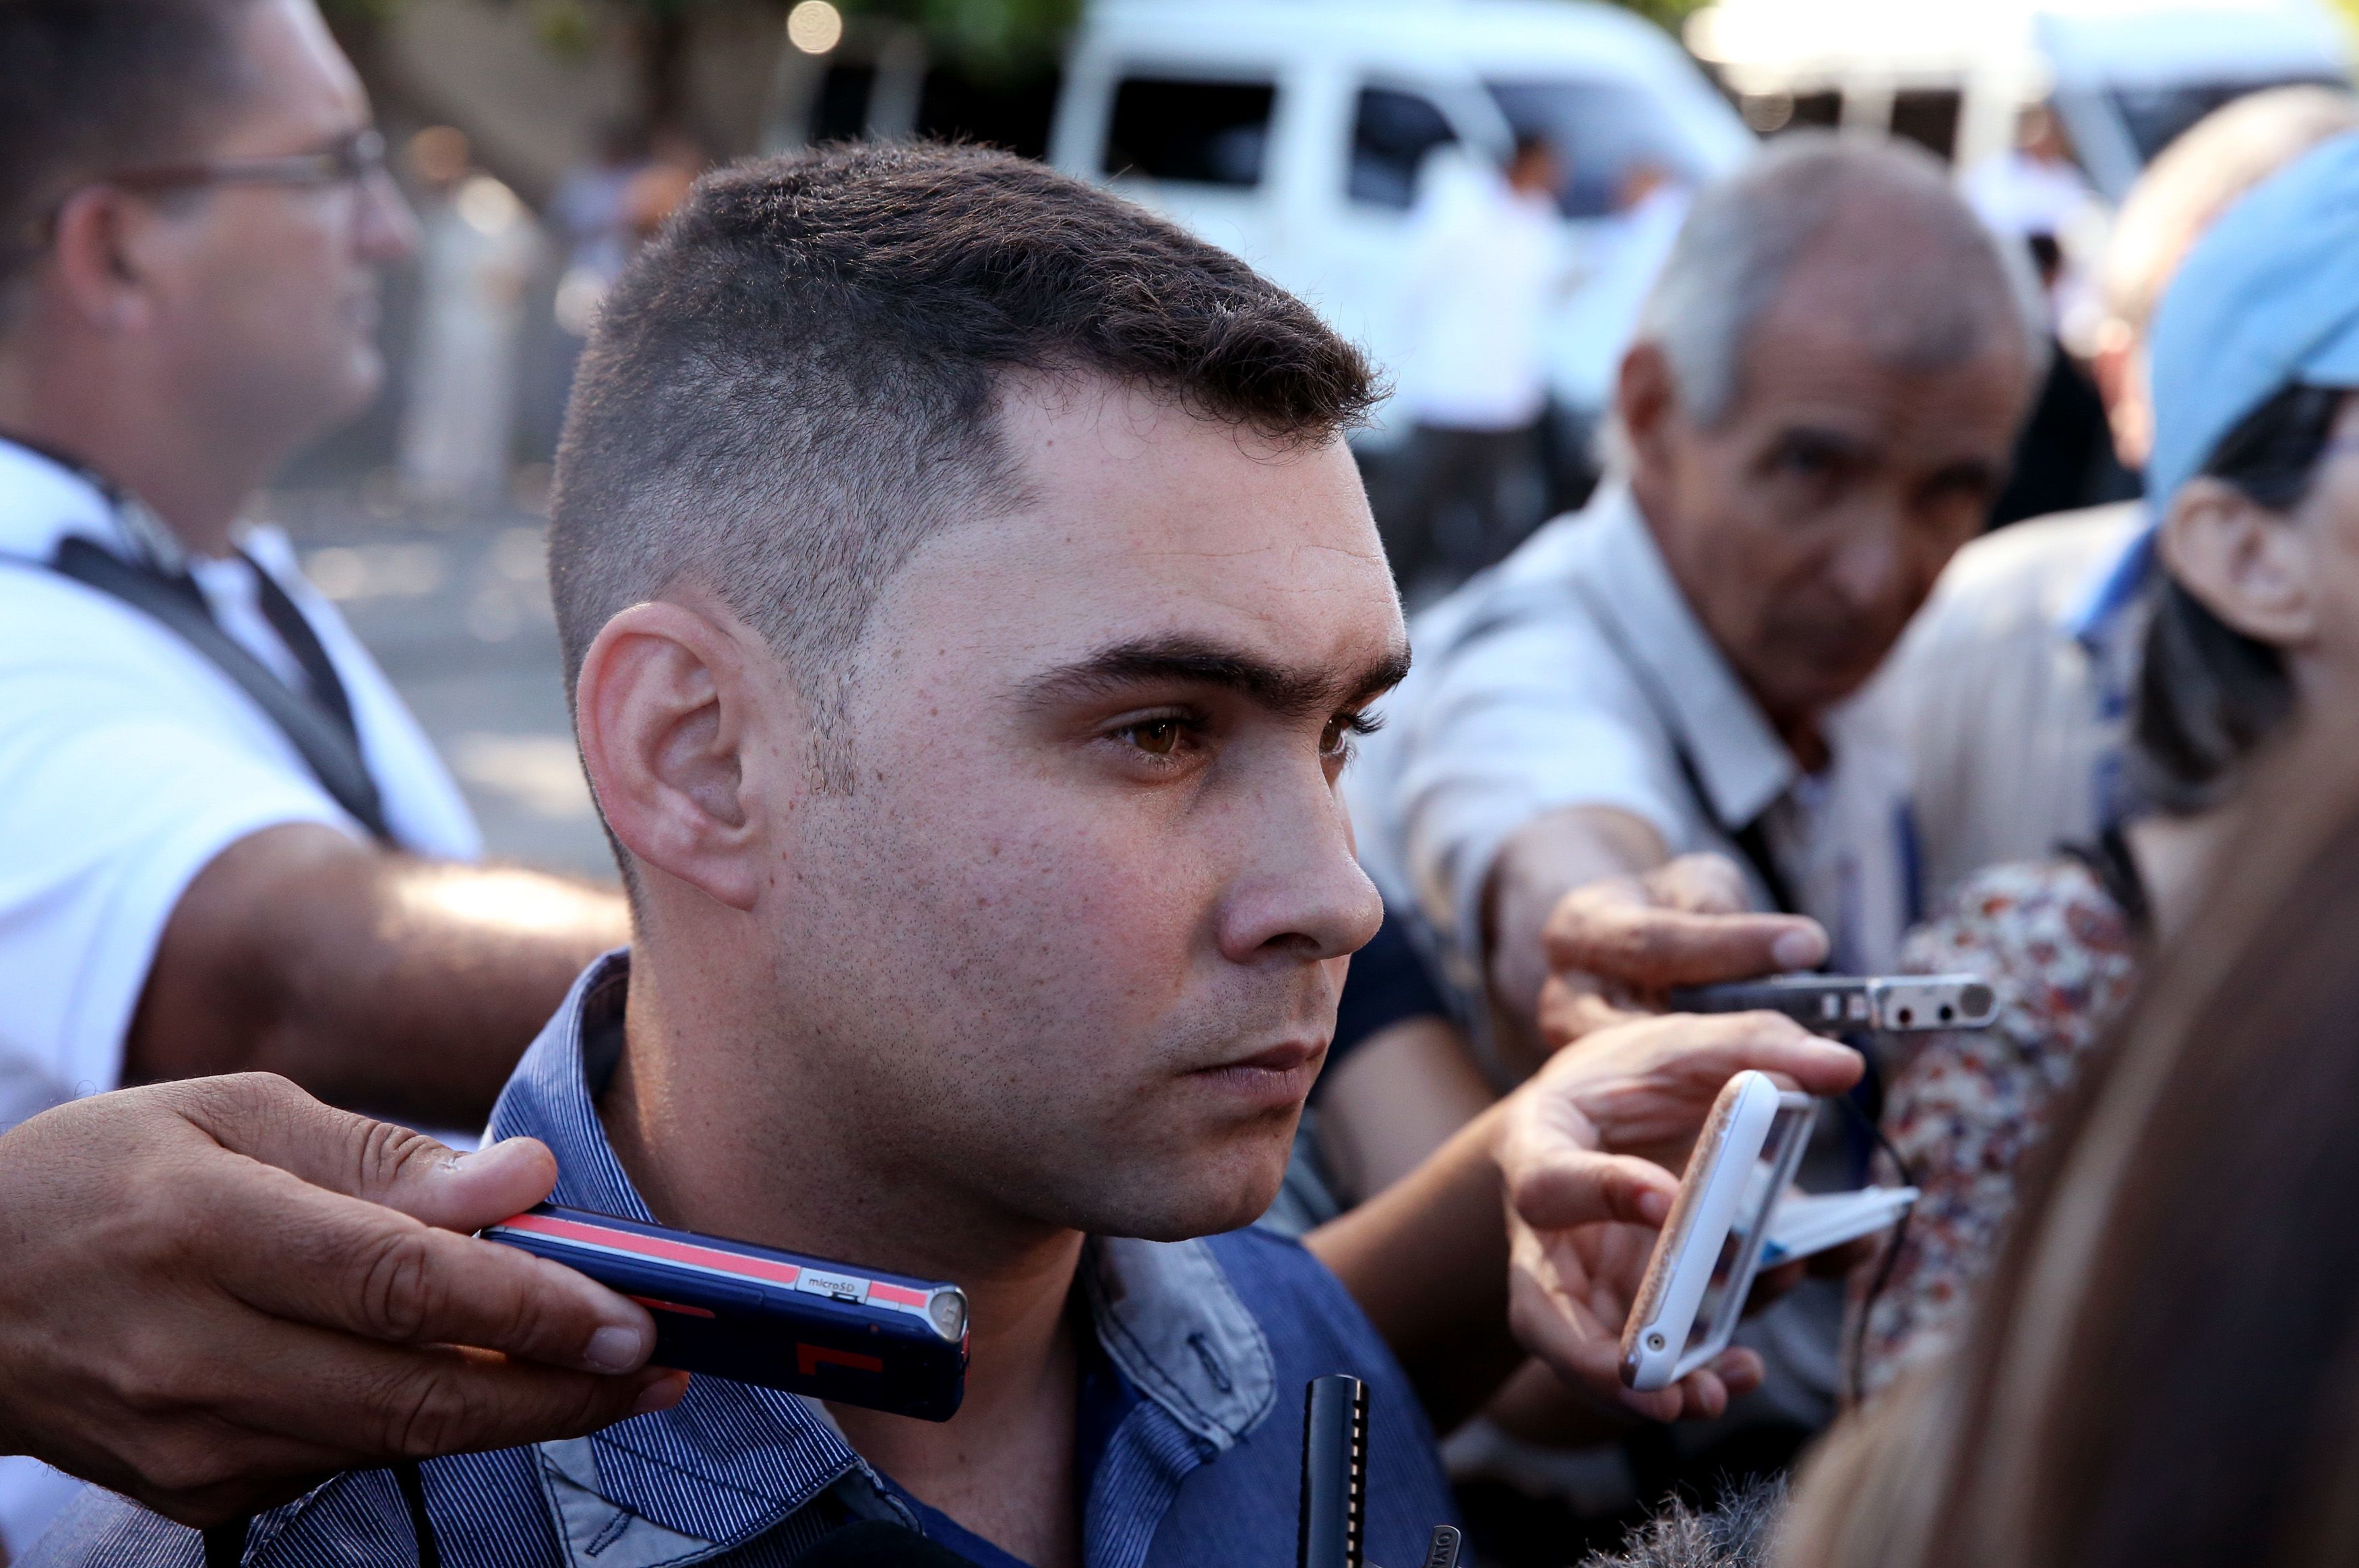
1072, 941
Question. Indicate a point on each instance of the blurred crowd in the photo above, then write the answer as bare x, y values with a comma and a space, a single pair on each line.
1052, 861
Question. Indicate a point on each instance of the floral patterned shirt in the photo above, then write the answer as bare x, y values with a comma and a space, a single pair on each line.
1965, 1108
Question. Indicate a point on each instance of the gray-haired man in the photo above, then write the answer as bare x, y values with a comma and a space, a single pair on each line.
1816, 410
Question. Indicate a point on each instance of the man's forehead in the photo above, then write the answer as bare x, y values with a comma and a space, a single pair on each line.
1285, 596
1154, 523
305, 87
1880, 297
1845, 381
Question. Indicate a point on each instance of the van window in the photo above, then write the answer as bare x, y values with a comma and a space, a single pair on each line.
1928, 116
1200, 133
1391, 132
1604, 133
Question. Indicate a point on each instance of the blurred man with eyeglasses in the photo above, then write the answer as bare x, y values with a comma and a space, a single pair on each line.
225, 844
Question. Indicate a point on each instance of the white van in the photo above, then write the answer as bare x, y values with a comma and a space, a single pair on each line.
2124, 76
1293, 132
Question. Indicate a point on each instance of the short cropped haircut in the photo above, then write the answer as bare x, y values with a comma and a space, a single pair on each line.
800, 380
101, 87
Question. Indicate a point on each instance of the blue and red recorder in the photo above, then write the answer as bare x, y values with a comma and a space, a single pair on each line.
730, 1309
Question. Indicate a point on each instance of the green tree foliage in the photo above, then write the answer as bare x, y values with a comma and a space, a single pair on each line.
985, 36
1670, 14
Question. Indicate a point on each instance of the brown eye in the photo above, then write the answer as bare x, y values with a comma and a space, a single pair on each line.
1156, 737
1336, 736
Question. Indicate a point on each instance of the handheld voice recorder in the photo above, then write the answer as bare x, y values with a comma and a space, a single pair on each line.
1841, 1004
754, 1314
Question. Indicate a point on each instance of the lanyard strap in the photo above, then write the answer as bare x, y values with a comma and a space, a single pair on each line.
1750, 839
321, 732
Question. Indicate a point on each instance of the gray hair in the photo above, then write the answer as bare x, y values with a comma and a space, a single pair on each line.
1737, 1531
1743, 236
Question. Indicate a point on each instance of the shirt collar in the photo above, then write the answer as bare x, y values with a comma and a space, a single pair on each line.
44, 501
732, 1460
2117, 583
1738, 757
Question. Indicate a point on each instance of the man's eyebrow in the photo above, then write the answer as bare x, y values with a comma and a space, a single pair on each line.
1826, 438
1190, 662
1973, 474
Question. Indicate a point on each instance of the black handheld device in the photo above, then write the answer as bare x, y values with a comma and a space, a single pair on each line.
1841, 1004
1334, 1473
756, 1314
1335, 1481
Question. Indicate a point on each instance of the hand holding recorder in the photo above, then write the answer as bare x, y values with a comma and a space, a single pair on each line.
1617, 947
220, 1291
1586, 1160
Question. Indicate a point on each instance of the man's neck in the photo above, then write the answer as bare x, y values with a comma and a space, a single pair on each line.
709, 1155
114, 425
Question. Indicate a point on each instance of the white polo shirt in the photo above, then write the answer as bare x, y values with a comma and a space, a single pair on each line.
127, 762
1575, 674
1484, 264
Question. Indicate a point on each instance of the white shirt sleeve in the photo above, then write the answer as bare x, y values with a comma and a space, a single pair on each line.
1533, 716
126, 765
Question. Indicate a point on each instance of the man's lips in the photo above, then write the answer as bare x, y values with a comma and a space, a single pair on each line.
1279, 1073
1283, 1057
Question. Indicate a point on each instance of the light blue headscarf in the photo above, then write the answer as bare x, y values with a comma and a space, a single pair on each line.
2269, 296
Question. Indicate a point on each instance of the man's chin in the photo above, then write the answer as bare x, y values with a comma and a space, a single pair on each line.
1163, 1205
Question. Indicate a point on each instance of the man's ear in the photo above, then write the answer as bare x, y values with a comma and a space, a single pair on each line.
663, 709
1646, 398
93, 260
2245, 564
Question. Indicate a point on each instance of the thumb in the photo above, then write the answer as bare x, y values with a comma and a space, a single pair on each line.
267, 1118
1577, 1187
1652, 948
468, 1192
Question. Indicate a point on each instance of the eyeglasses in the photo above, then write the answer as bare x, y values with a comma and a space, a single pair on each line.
352, 158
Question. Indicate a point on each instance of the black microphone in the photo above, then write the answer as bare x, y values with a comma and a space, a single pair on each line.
879, 1543
1334, 1473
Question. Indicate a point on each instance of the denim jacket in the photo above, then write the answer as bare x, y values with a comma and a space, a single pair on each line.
1212, 1341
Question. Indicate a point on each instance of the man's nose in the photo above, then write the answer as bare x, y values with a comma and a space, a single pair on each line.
388, 229
1869, 566
1302, 891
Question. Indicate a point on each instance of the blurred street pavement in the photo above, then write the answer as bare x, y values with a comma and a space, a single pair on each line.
457, 610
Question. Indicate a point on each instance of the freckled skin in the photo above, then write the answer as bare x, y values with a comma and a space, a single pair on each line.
1063, 958
1089, 940
1009, 975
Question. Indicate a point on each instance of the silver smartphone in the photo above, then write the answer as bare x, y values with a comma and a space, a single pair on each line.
1709, 1249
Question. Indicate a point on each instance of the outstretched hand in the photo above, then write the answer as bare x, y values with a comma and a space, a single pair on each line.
1616, 945
214, 1292
1587, 1158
